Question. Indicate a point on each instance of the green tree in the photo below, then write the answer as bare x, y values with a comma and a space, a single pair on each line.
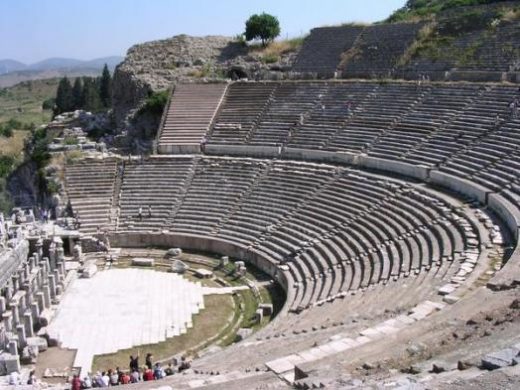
64, 100
91, 99
48, 104
264, 26
105, 87
77, 94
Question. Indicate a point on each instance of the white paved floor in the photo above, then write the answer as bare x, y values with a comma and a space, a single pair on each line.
123, 308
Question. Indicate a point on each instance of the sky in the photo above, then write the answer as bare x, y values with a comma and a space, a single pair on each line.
32, 30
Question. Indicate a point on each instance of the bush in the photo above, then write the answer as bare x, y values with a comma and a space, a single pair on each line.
5, 131
7, 164
70, 140
270, 58
49, 104
155, 103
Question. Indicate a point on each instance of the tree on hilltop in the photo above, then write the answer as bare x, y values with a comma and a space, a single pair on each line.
77, 93
105, 87
91, 99
64, 101
264, 27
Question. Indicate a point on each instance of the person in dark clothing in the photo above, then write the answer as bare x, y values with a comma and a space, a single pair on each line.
148, 360
134, 363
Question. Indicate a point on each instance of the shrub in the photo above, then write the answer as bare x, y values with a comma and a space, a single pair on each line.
49, 104
70, 141
155, 103
7, 164
270, 58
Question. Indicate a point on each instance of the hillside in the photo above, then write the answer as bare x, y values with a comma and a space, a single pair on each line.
23, 102
13, 72
157, 65
414, 9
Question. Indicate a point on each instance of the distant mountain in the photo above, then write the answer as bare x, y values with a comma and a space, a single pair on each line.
112, 62
55, 63
13, 72
7, 66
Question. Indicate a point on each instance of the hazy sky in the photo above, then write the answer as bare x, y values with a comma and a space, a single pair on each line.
32, 30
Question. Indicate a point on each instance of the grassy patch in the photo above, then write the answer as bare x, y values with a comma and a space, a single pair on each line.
206, 324
274, 50
13, 146
23, 102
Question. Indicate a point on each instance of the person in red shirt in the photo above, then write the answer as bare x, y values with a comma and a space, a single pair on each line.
125, 378
148, 374
76, 383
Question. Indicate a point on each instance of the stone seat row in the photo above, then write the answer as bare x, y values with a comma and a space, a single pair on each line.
337, 229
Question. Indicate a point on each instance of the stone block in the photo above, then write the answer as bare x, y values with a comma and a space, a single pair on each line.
244, 333
447, 289
224, 260
142, 262
267, 308
259, 316
179, 267
203, 273
89, 270
9, 363
37, 342
173, 252
499, 359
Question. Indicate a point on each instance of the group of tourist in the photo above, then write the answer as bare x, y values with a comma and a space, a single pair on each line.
149, 372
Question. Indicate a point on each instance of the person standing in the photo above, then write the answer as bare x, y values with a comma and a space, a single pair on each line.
148, 360
134, 363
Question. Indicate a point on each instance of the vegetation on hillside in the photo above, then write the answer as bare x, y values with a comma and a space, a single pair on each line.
272, 52
7, 164
24, 102
415, 9
155, 103
22, 110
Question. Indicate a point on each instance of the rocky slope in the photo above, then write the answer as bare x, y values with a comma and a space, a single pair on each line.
157, 65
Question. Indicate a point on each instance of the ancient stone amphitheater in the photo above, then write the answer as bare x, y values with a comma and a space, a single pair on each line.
387, 210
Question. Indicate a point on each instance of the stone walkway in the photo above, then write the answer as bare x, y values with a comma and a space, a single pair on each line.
124, 308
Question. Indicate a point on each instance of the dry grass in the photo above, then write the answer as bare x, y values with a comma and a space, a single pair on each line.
274, 50
13, 146
511, 15
424, 34
206, 324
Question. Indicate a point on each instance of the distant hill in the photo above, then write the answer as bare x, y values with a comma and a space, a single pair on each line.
7, 66
13, 72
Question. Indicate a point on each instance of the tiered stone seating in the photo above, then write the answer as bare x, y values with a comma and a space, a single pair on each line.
322, 49
189, 116
436, 108
473, 122
155, 183
90, 189
214, 191
379, 49
331, 115
241, 110
290, 104
334, 229
288, 185
374, 116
